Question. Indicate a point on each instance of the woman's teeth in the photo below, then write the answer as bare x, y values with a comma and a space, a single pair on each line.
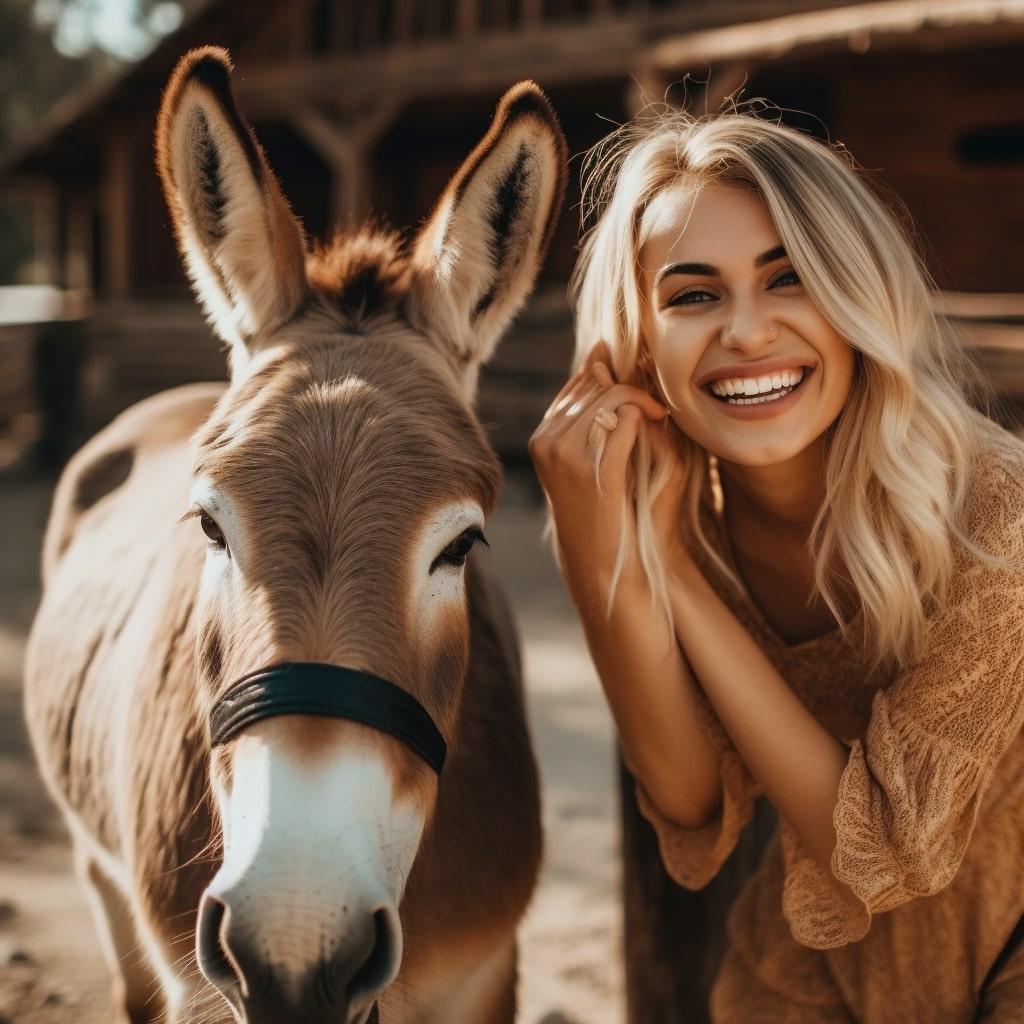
754, 390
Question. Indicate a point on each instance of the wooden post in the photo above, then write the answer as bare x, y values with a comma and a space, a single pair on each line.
338, 149
345, 144
402, 20
675, 939
531, 13
78, 255
646, 85
466, 18
45, 233
704, 95
117, 197
723, 81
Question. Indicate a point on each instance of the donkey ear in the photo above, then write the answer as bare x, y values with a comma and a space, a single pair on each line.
477, 257
242, 247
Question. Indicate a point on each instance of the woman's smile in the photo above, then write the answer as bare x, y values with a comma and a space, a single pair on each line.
758, 395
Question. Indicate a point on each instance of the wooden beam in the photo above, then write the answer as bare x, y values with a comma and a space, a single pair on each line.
1004, 306
568, 52
856, 26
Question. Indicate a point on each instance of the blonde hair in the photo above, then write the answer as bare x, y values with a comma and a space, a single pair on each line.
900, 453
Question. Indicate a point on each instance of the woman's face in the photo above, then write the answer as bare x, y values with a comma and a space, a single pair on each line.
749, 368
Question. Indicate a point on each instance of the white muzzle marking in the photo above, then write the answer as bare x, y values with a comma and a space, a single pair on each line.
308, 847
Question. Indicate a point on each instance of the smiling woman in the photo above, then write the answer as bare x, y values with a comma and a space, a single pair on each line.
797, 551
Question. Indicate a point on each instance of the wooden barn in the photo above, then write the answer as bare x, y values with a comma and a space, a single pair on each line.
368, 107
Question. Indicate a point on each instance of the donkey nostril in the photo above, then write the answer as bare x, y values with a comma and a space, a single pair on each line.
375, 972
215, 960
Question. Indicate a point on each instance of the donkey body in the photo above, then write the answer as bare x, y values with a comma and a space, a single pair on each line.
310, 869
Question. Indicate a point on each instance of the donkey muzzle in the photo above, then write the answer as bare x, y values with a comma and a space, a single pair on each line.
342, 987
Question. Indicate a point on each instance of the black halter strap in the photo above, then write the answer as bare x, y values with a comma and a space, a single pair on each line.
309, 688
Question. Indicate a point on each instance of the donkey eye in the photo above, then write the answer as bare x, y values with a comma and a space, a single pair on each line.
212, 531
459, 549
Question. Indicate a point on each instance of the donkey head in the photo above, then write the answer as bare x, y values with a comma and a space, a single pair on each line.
340, 484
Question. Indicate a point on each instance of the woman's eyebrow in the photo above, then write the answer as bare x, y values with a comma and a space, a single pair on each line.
707, 270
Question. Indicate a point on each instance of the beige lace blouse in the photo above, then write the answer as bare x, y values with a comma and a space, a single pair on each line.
929, 819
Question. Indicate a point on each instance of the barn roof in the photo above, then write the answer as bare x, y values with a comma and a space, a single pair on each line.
607, 45
858, 27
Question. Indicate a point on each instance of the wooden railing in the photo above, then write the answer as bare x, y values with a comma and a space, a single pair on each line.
355, 27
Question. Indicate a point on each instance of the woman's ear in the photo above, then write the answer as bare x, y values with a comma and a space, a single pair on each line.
242, 247
647, 372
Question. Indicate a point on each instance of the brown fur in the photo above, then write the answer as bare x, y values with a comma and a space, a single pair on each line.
347, 426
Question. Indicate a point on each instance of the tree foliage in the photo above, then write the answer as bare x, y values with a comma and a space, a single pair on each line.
50, 49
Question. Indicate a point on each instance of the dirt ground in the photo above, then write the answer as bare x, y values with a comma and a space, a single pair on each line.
50, 968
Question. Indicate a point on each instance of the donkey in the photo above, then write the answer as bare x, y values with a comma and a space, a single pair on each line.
306, 867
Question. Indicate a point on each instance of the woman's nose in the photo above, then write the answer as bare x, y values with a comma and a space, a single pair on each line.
748, 331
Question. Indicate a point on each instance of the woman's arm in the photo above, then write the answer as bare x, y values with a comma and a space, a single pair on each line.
651, 692
653, 697
797, 761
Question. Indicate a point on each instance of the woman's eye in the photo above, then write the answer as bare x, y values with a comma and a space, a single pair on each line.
459, 549
694, 298
786, 278
212, 531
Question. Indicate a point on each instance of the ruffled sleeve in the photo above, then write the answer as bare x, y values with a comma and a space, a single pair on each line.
911, 790
693, 856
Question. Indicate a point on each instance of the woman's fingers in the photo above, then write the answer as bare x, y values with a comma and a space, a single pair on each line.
572, 406
574, 378
600, 352
602, 375
619, 443
616, 395
574, 427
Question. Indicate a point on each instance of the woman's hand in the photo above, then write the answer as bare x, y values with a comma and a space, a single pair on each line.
581, 452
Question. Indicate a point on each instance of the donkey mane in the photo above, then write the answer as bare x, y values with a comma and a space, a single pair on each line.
361, 275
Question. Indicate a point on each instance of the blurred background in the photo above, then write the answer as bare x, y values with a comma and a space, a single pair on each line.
365, 107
